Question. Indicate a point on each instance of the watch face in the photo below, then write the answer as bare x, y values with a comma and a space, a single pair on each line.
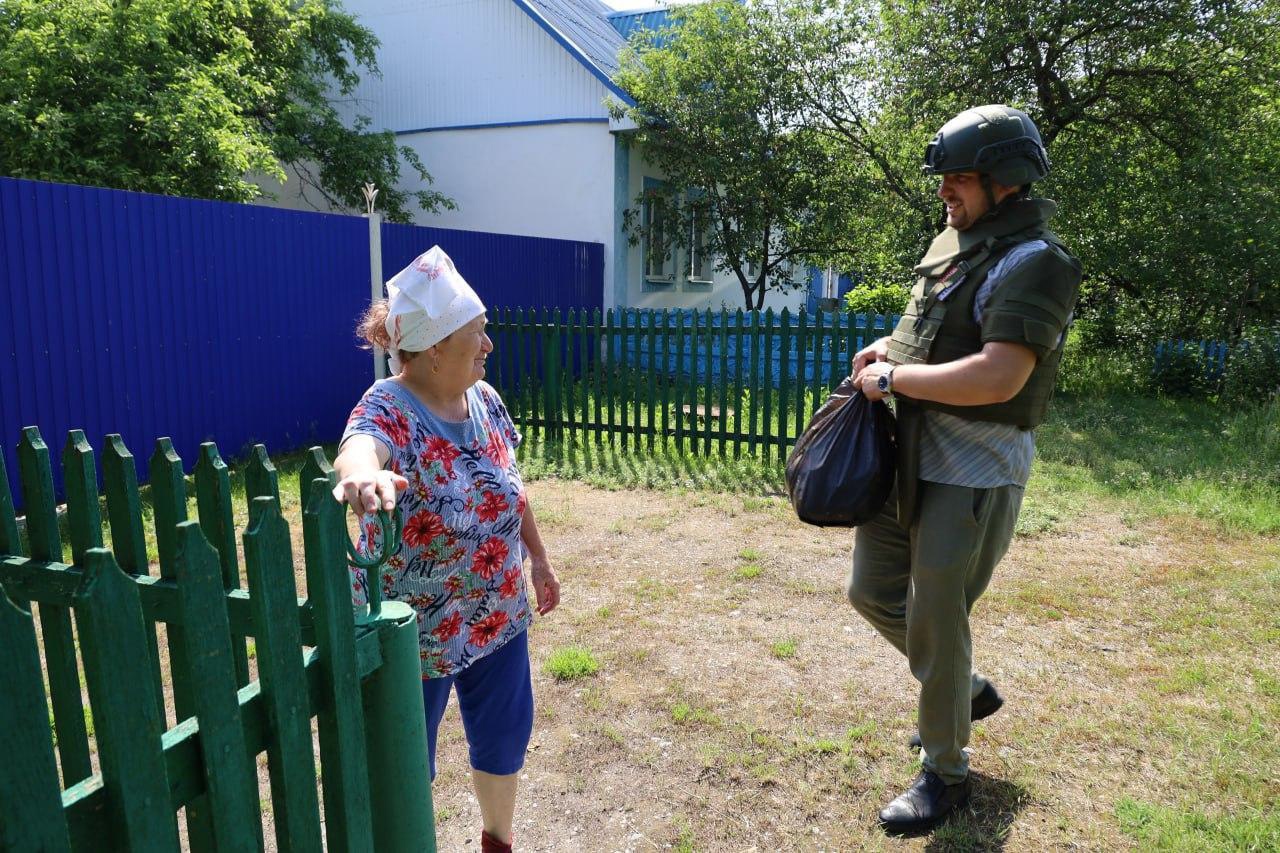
883, 382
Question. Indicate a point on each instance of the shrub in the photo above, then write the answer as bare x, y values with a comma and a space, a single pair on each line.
1252, 373
877, 299
1182, 374
1090, 370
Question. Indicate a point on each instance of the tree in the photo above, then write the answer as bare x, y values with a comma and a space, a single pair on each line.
717, 101
194, 97
1160, 117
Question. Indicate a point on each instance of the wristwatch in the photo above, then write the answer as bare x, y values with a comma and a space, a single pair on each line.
885, 381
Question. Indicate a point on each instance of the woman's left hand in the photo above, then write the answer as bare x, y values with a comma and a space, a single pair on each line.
546, 586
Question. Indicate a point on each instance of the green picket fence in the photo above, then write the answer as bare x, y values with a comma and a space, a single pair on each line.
703, 382
127, 771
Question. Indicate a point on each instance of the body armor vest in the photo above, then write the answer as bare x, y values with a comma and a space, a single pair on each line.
1031, 307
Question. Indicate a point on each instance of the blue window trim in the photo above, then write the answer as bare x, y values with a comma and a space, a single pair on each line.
490, 125
575, 51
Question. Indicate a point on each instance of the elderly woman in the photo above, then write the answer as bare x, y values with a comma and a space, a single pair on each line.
437, 439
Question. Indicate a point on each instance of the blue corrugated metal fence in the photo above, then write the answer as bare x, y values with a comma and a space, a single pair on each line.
155, 316
506, 270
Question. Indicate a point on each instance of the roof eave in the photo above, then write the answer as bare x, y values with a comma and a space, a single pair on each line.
575, 51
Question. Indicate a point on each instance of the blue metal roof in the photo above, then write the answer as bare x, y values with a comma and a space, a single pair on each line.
627, 23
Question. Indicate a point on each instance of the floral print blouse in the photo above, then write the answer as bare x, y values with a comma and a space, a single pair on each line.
461, 561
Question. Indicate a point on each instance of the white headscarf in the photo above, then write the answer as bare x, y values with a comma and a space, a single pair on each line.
429, 301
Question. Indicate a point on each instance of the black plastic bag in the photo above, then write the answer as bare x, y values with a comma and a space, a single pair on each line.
841, 470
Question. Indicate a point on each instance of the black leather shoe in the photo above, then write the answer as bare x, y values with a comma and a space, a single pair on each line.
983, 705
924, 805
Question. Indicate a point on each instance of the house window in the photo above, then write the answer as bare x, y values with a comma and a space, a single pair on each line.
699, 256
658, 263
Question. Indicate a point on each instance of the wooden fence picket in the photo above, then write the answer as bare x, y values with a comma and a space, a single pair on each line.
260, 480
217, 520
129, 731
169, 503
268, 558
210, 673
128, 542
10, 541
31, 811
343, 761
55, 620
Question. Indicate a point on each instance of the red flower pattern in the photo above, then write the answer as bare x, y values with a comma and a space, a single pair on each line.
442, 450
491, 507
510, 583
484, 631
496, 450
489, 558
422, 528
395, 426
448, 627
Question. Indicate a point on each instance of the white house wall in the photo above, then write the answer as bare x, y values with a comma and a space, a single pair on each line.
452, 63
724, 291
550, 180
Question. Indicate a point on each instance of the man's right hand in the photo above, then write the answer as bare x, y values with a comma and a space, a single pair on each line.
878, 351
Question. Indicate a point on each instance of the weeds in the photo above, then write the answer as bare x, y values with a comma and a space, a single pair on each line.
570, 663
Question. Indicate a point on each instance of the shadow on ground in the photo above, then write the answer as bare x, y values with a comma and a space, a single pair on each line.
994, 805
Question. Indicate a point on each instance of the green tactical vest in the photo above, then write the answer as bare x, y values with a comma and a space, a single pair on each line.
1031, 307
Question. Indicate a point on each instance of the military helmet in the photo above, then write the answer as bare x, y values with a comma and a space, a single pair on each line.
992, 140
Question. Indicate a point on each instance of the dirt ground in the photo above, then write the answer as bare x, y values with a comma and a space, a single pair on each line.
741, 704
757, 712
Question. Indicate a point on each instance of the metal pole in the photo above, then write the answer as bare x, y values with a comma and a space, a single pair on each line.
375, 285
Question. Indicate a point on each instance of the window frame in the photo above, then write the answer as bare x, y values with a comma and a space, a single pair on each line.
665, 273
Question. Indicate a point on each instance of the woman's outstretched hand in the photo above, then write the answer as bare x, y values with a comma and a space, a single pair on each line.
371, 491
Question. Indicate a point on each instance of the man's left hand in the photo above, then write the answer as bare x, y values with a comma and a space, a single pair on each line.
867, 378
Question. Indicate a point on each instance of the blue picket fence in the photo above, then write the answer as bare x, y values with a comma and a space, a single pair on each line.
146, 315
828, 341
1214, 355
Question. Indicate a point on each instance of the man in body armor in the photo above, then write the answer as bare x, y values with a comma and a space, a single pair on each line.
971, 366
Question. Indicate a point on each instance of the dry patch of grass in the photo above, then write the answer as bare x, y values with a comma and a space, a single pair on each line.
753, 710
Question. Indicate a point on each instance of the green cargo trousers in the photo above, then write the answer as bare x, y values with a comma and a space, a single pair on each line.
916, 586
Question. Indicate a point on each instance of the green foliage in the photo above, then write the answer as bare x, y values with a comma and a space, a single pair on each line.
1253, 372
1144, 104
804, 122
783, 649
1165, 828
1182, 373
1088, 368
718, 99
194, 98
571, 662
1165, 455
886, 299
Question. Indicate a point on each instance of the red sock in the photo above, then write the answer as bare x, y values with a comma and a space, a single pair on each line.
489, 844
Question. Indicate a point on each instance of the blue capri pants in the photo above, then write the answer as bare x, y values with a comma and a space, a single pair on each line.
495, 697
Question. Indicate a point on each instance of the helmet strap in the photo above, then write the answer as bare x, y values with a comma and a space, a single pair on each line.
985, 180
